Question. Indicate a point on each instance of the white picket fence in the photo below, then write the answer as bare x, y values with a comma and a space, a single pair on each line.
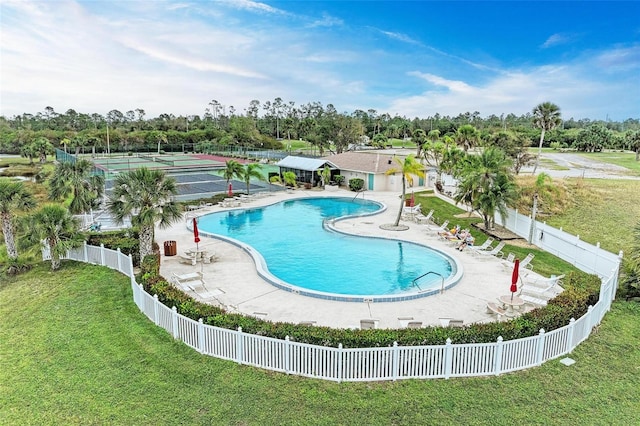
360, 364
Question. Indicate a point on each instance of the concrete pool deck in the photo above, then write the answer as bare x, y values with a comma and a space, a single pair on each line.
232, 281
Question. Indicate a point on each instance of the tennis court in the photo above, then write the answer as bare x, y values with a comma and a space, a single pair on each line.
196, 175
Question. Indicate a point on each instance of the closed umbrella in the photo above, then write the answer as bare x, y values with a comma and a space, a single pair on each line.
412, 203
196, 235
230, 190
514, 277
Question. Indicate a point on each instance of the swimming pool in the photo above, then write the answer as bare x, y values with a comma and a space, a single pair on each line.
296, 248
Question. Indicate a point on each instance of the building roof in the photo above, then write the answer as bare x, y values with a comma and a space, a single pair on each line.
366, 162
304, 163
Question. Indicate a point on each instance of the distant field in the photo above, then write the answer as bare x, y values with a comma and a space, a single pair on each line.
623, 159
604, 210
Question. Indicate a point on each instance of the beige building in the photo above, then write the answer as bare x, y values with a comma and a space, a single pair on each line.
372, 167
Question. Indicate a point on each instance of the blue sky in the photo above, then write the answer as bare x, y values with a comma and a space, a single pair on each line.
411, 58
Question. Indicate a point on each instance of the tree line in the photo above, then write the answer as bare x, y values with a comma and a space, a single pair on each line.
269, 125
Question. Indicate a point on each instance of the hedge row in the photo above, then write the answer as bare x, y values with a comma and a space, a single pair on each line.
581, 290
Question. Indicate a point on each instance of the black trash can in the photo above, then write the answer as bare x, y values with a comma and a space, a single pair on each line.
170, 248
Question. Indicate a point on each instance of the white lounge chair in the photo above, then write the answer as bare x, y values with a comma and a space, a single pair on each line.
412, 210
440, 228
188, 281
420, 218
547, 282
540, 291
484, 245
525, 264
508, 262
496, 251
532, 300
456, 323
368, 324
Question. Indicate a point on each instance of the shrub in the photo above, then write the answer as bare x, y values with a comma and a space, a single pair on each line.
580, 290
339, 179
126, 240
356, 184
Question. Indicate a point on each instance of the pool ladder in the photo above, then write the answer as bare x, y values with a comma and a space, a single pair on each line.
415, 281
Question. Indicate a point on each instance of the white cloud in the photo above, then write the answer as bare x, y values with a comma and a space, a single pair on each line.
327, 21
176, 58
517, 92
400, 37
554, 40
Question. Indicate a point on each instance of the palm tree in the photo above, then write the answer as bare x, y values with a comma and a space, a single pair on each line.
487, 184
467, 137
418, 137
147, 196
78, 180
232, 170
408, 168
325, 175
252, 170
540, 187
57, 229
13, 196
546, 116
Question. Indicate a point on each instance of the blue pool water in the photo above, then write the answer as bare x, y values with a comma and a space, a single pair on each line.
298, 250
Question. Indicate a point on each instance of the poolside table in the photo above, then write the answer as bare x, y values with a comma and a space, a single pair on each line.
511, 302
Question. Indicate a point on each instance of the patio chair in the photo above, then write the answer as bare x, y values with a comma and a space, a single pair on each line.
456, 323
188, 281
440, 228
508, 262
483, 246
541, 291
420, 218
547, 282
368, 324
532, 300
496, 251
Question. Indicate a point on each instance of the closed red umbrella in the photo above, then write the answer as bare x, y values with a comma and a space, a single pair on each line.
230, 190
196, 236
413, 200
514, 277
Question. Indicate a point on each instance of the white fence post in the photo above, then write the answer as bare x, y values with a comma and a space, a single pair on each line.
85, 253
239, 345
200, 336
572, 324
395, 364
592, 319
131, 273
540, 354
340, 353
102, 254
156, 319
497, 365
287, 355
118, 259
448, 359
174, 322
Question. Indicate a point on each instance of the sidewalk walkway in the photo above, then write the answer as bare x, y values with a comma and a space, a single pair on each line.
232, 279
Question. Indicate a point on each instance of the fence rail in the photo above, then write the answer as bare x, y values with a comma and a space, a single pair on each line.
362, 364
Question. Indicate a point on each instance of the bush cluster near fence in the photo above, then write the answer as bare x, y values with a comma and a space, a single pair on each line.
581, 291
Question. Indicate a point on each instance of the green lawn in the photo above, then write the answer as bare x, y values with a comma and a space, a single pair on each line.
543, 263
76, 350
